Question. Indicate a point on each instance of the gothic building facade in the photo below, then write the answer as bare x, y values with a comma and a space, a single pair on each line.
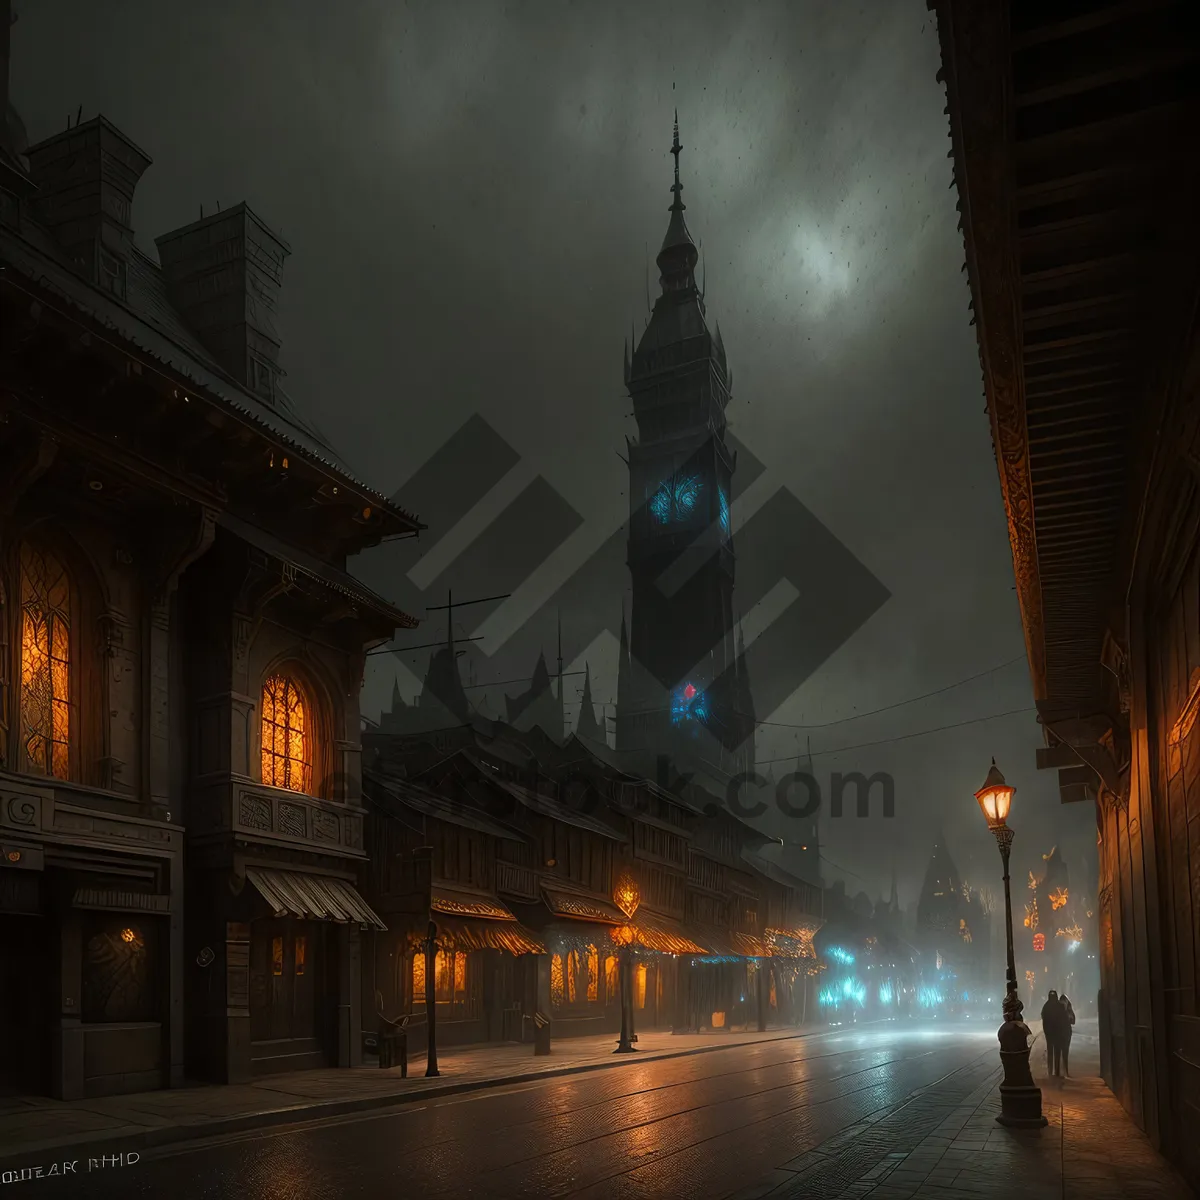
682, 684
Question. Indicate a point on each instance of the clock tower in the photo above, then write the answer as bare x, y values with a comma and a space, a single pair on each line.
682, 687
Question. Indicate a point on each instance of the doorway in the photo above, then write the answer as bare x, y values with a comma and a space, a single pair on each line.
285, 1022
24, 1009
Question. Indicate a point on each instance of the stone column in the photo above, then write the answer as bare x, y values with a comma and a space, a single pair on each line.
234, 1021
348, 1049
67, 1058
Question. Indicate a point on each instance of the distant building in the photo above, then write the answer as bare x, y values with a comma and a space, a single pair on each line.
683, 688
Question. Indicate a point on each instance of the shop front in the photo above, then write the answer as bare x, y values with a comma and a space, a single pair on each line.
89, 949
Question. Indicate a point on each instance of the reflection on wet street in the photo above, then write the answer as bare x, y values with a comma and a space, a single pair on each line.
706, 1125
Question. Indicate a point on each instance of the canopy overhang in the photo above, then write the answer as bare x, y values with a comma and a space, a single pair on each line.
312, 897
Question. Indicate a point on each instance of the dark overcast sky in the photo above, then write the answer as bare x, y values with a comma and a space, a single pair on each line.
469, 190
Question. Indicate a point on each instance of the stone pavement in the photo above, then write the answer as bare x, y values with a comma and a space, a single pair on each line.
943, 1143
32, 1127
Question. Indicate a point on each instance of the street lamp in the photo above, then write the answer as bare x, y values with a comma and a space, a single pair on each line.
1020, 1098
627, 897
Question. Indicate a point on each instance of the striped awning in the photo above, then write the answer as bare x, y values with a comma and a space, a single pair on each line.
463, 934
462, 902
312, 897
655, 932
581, 907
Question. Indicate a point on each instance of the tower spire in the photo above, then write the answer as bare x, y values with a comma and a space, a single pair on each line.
678, 257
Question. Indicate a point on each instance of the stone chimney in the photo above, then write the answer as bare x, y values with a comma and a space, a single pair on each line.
86, 177
223, 273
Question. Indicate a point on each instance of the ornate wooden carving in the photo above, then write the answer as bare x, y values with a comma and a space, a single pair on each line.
254, 812
324, 826
975, 51
289, 819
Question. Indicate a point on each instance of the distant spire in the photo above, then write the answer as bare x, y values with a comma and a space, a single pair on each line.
587, 726
562, 700
397, 699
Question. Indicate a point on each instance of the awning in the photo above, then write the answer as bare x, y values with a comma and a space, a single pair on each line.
663, 934
312, 897
724, 943
581, 907
465, 935
793, 943
462, 902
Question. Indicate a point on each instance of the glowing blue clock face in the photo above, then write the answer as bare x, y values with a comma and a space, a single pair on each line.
676, 499
688, 703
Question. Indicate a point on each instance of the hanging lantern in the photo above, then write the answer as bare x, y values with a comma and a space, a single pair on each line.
626, 895
1039, 941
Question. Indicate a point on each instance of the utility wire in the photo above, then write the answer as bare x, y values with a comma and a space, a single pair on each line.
899, 703
903, 737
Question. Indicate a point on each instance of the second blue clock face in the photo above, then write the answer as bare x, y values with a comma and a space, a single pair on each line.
676, 499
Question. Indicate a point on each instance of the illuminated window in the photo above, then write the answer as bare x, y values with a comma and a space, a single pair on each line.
277, 956
301, 954
557, 988
723, 501
45, 663
593, 969
611, 980
286, 735
639, 986
572, 975
449, 976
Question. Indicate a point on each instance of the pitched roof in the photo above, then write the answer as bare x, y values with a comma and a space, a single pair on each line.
147, 321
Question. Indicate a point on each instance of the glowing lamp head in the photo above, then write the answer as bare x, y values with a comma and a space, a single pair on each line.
623, 935
689, 692
995, 798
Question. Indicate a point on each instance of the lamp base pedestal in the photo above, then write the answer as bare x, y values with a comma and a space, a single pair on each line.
1021, 1108
1020, 1097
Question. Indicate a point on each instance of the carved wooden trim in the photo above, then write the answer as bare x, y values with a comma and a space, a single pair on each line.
976, 63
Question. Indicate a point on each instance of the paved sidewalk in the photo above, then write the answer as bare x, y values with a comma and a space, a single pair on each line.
944, 1144
33, 1127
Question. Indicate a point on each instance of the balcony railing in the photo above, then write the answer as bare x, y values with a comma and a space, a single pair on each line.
516, 881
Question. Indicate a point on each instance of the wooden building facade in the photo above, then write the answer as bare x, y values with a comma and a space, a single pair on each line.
181, 651
1074, 145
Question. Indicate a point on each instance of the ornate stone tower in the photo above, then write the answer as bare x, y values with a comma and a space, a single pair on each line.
682, 690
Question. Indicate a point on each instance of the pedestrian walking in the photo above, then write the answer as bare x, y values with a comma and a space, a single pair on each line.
1068, 1028
1053, 1020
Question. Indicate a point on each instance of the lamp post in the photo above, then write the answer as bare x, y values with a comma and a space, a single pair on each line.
627, 897
431, 1068
1020, 1098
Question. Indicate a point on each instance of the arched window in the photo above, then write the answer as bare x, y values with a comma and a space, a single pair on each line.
45, 716
287, 735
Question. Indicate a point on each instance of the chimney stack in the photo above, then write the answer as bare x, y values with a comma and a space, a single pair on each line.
14, 167
223, 273
86, 178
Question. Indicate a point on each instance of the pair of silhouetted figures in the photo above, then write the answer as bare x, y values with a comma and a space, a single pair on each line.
1058, 1021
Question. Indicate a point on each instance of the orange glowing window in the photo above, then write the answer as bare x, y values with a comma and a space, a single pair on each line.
277, 956
301, 954
593, 966
45, 663
418, 977
1039, 941
572, 975
286, 735
639, 986
611, 979
557, 984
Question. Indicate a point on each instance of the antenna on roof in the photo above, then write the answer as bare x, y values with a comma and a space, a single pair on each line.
202, 212
79, 114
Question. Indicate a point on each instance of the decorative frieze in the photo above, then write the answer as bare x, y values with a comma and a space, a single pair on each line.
283, 816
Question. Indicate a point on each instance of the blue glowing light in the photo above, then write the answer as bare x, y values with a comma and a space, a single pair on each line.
929, 997
676, 499
886, 994
688, 704
840, 955
849, 991
723, 501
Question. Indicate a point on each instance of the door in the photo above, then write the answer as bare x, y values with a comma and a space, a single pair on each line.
282, 971
24, 974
